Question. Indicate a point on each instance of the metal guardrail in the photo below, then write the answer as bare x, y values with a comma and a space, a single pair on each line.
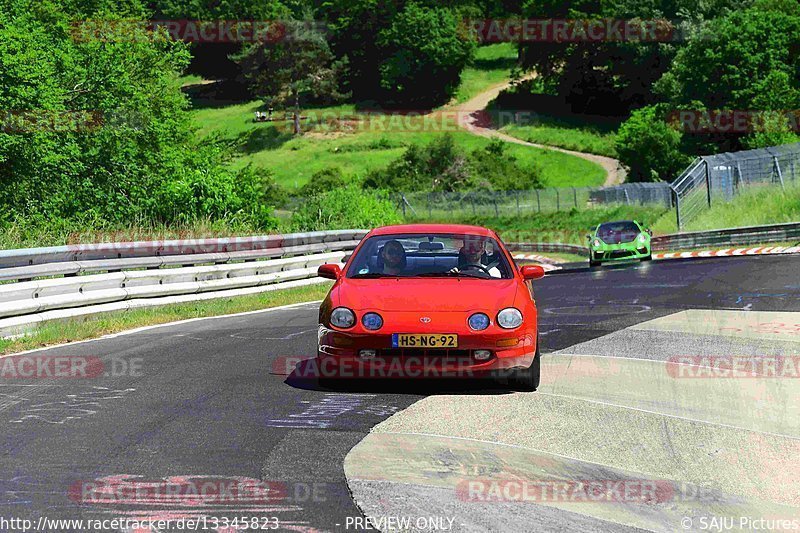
228, 265
140, 249
729, 237
548, 247
72, 268
60, 293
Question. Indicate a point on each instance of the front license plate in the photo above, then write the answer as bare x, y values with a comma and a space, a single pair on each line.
437, 340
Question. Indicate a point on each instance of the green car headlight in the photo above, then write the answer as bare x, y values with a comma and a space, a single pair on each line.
642, 238
596, 243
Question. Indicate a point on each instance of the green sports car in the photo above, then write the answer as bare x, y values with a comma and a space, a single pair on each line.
619, 241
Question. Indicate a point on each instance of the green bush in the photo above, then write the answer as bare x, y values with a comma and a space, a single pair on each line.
345, 208
323, 181
498, 170
442, 166
132, 156
650, 147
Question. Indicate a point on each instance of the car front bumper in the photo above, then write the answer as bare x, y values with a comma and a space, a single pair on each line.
620, 252
340, 356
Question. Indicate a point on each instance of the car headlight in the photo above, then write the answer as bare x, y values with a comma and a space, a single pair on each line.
478, 321
596, 243
642, 238
372, 321
509, 318
342, 317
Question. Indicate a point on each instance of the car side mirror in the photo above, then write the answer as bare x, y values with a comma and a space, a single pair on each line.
649, 232
329, 271
531, 272
588, 237
346, 258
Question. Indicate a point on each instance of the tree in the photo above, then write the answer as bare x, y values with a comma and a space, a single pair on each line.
100, 128
750, 56
758, 70
426, 51
650, 147
292, 68
609, 76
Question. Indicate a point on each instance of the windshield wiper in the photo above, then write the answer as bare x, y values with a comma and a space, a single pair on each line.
372, 275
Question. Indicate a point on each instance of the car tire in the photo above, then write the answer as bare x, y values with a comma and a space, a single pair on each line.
593, 263
649, 257
527, 379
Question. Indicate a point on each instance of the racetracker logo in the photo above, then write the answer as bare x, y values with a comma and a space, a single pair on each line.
398, 120
562, 491
193, 491
50, 367
43, 120
409, 367
572, 30
733, 367
710, 121
195, 31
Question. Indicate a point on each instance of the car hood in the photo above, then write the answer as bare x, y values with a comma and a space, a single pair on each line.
430, 294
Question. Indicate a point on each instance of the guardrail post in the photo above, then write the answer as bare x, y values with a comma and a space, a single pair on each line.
738, 183
430, 205
708, 182
558, 201
780, 174
575, 196
677, 207
538, 202
516, 196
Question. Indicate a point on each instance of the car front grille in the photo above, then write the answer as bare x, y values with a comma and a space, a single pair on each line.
616, 254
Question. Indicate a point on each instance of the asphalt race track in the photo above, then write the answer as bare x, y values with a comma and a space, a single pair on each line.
220, 401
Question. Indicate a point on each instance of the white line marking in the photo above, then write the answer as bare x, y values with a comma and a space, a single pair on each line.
167, 324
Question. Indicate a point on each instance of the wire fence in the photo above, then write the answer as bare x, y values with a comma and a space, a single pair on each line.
443, 205
720, 177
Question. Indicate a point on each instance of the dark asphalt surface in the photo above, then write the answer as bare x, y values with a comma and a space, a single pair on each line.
212, 398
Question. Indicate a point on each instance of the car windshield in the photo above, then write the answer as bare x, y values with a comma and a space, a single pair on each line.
615, 229
430, 255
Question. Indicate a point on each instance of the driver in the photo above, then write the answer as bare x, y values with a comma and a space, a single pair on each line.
470, 258
394, 258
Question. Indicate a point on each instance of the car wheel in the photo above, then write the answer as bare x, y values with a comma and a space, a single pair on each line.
593, 263
649, 257
527, 379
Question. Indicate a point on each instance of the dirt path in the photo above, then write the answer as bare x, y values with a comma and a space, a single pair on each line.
476, 120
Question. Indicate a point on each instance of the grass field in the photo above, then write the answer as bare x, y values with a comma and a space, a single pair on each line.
583, 134
491, 66
357, 146
769, 205
564, 226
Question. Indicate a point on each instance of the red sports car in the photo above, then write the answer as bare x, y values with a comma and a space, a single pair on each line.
429, 300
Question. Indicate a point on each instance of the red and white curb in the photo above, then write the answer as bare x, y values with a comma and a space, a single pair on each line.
728, 252
546, 263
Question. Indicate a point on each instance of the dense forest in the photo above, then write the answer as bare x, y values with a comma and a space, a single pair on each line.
95, 128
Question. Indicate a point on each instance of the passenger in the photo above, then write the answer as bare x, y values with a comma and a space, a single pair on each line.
394, 258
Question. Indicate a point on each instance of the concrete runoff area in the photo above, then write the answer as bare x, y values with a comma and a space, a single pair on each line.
675, 411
